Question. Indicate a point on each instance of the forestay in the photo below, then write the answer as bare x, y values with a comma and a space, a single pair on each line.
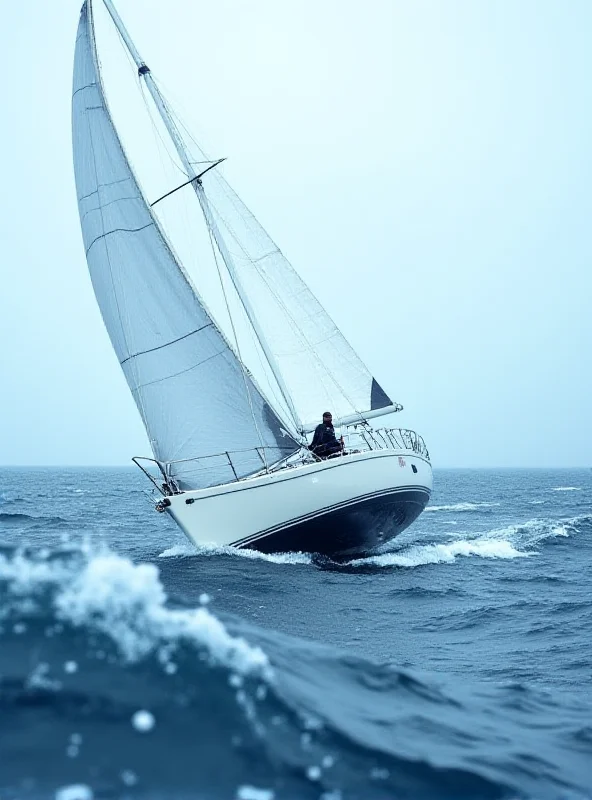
194, 396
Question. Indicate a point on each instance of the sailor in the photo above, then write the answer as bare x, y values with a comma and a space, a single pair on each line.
324, 442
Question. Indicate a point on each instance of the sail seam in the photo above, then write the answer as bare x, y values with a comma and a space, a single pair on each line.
181, 372
101, 186
104, 205
82, 88
167, 344
116, 230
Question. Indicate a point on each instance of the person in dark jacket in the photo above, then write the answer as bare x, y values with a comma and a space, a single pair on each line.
324, 442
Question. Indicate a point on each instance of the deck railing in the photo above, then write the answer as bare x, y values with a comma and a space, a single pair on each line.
360, 437
231, 466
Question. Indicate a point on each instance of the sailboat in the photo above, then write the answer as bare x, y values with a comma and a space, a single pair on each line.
230, 449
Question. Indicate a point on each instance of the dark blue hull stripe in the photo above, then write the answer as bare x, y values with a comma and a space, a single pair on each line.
355, 525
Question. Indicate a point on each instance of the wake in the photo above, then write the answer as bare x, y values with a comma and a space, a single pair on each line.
513, 541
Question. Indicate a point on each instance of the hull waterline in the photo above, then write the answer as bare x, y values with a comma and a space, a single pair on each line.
342, 508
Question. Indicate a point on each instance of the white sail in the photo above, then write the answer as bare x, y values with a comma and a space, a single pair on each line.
319, 367
195, 397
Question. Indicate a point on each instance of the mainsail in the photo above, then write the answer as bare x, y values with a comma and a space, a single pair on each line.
195, 396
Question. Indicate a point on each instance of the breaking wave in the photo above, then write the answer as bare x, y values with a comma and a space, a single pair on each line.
514, 541
126, 603
188, 549
92, 646
462, 507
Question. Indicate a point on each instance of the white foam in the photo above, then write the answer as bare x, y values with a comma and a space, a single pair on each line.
25, 574
462, 507
567, 489
272, 558
217, 550
561, 530
126, 602
534, 531
420, 555
514, 541
76, 791
252, 793
177, 550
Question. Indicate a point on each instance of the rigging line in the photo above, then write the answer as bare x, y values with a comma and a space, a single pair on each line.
239, 206
295, 326
176, 117
280, 401
248, 217
240, 358
196, 178
141, 86
156, 131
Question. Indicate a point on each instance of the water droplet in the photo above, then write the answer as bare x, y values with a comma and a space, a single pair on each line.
129, 777
143, 721
76, 791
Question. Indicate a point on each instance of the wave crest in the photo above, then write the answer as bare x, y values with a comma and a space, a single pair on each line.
514, 541
108, 594
462, 507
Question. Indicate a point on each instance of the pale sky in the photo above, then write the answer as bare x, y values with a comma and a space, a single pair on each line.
425, 166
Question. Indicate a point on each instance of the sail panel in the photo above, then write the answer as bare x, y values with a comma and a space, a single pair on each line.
194, 396
319, 366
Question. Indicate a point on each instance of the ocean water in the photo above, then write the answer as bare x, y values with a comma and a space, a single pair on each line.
456, 664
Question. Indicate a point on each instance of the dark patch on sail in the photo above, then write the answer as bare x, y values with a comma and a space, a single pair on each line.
285, 443
378, 397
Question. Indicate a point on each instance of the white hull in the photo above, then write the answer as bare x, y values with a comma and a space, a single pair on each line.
346, 505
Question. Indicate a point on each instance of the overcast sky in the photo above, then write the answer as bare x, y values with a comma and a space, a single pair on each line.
425, 166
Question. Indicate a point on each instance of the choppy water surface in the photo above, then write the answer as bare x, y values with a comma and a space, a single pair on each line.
456, 664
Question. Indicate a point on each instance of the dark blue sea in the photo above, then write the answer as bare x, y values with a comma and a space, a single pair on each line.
455, 665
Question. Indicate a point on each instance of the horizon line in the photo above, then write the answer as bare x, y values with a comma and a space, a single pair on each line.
131, 465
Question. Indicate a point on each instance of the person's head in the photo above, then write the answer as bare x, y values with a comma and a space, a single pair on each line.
327, 418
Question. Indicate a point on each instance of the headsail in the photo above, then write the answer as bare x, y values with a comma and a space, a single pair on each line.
319, 366
193, 393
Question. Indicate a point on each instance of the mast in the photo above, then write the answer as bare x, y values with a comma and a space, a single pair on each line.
178, 141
